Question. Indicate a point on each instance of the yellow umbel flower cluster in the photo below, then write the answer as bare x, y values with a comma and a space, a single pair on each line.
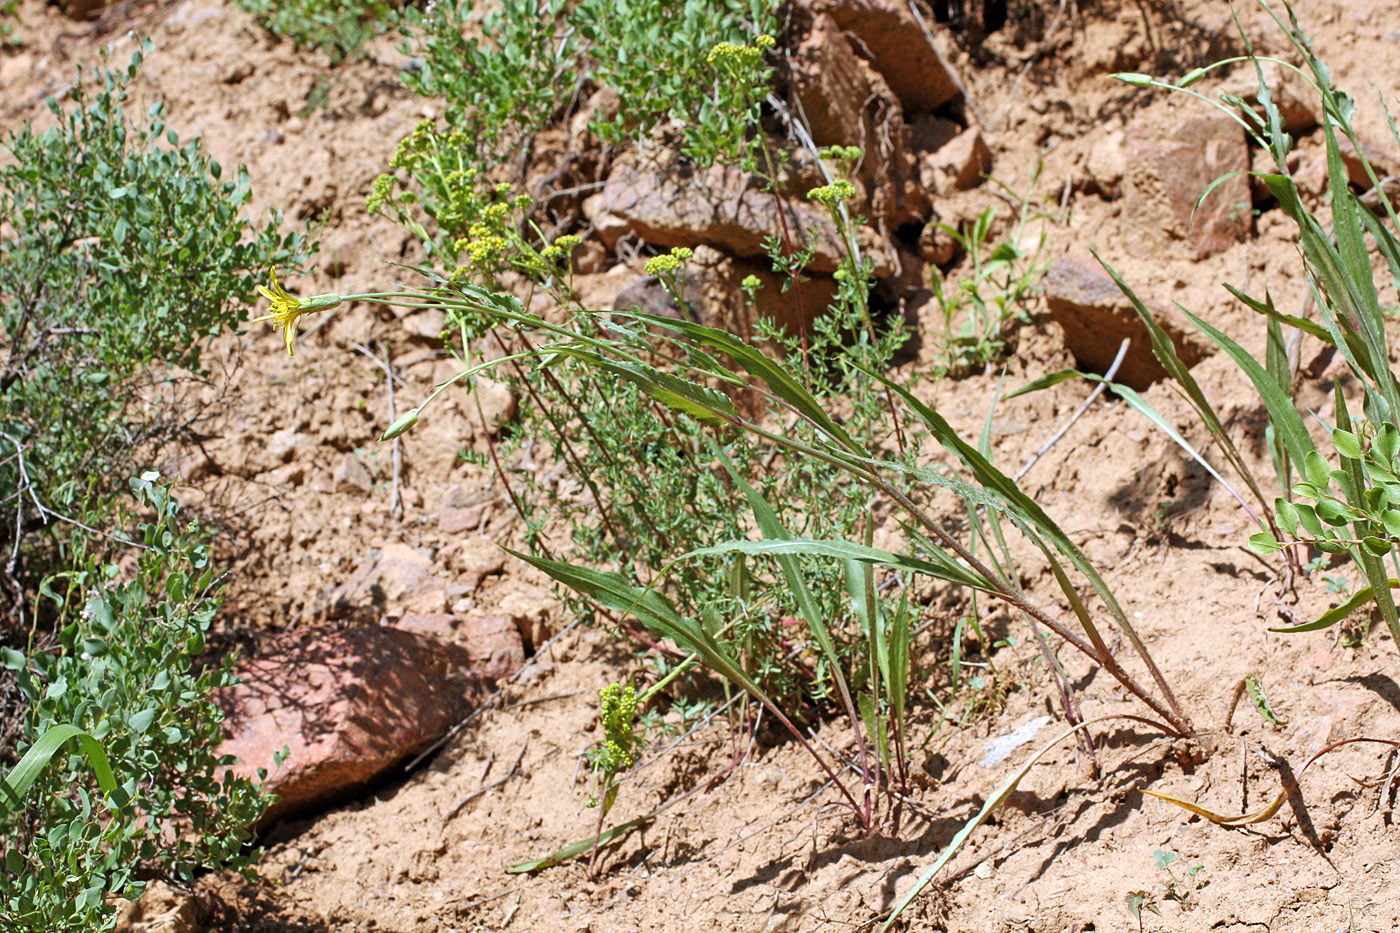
833, 194
669, 263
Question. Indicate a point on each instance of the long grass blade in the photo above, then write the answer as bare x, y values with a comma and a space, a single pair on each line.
1029, 513
23, 775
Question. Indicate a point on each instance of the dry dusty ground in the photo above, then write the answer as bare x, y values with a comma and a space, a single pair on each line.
764, 849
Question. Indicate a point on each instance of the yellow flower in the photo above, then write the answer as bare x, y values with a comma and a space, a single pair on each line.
286, 309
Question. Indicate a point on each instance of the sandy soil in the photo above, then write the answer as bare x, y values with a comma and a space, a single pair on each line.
764, 848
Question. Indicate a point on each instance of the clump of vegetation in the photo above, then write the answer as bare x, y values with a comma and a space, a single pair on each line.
337, 30
1352, 508
744, 538
129, 254
122, 673
982, 308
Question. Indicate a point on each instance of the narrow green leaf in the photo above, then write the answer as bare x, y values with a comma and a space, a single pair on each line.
688, 397
1047, 381
1282, 414
574, 849
1028, 513
1334, 615
753, 361
849, 550
23, 775
1261, 701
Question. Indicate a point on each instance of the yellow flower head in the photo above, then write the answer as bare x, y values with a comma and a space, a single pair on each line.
286, 309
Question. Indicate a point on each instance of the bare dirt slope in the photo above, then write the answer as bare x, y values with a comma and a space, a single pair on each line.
763, 848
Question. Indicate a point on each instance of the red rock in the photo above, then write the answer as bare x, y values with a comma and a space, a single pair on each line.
900, 50
494, 644
1174, 155
717, 207
83, 9
348, 704
497, 401
959, 163
1096, 316
1297, 104
455, 521
847, 102
1382, 163
352, 477
439, 625
396, 577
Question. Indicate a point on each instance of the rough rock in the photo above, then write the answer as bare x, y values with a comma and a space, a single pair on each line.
349, 705
494, 643
714, 297
426, 325
497, 402
83, 9
960, 163
1096, 317
848, 103
936, 245
395, 580
456, 521
649, 296
1382, 162
472, 559
1173, 157
533, 615
1107, 163
1298, 106
283, 444
351, 476
439, 625
900, 50
163, 909
722, 207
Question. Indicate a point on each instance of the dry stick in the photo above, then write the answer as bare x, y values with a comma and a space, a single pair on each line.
948, 68
377, 361
1098, 390
394, 504
45, 513
481, 790
536, 700
389, 376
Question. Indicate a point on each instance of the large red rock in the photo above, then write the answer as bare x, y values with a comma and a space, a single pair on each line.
349, 705
1174, 154
722, 207
848, 103
1096, 317
899, 47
